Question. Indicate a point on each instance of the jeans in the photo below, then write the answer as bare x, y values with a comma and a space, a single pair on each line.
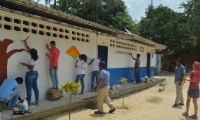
81, 78
54, 77
137, 75
31, 82
13, 98
102, 97
94, 74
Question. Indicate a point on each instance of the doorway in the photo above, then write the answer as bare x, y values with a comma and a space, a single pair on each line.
103, 50
148, 64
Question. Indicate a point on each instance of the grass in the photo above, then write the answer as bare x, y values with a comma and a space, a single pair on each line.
154, 100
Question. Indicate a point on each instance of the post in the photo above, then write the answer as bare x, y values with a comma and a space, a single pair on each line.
151, 2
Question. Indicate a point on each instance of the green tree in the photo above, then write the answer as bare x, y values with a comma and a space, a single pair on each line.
192, 12
169, 28
111, 13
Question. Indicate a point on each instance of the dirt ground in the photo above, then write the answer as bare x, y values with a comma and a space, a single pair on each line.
148, 104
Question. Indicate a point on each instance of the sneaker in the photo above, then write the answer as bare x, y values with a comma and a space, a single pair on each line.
181, 104
113, 110
193, 117
175, 105
185, 114
98, 112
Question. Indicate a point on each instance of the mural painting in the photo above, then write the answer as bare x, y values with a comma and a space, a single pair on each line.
4, 56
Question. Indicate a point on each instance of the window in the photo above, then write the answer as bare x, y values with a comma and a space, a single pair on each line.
66, 31
61, 36
66, 37
87, 40
54, 35
74, 33
7, 27
61, 30
17, 28
34, 24
7, 19
34, 31
41, 26
17, 21
83, 40
48, 33
55, 29
0, 26
48, 27
0, 18
83, 35
41, 32
78, 39
73, 38
78, 33
87, 35
25, 29
25, 22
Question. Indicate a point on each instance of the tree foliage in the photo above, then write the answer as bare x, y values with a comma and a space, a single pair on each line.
166, 27
172, 29
192, 12
111, 13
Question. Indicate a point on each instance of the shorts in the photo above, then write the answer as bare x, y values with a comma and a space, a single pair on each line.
194, 93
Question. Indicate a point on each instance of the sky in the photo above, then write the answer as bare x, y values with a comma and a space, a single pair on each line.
137, 8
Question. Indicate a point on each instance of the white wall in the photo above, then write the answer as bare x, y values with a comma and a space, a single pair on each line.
66, 70
125, 60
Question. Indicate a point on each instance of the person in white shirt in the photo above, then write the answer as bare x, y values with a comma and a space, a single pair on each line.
31, 75
81, 65
95, 70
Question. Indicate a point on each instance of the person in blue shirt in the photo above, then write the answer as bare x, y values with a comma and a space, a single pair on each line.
10, 91
137, 67
103, 88
179, 75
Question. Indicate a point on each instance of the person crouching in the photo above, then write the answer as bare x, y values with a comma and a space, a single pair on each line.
103, 88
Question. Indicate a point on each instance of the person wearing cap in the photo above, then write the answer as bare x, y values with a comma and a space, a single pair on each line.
193, 90
137, 67
179, 75
103, 88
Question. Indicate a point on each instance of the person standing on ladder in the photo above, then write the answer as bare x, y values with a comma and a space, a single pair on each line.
137, 67
95, 70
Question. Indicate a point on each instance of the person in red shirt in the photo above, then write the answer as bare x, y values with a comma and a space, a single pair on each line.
193, 90
53, 66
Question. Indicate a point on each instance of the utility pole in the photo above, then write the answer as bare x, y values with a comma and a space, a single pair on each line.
151, 2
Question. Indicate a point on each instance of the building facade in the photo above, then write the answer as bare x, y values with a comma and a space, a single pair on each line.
17, 25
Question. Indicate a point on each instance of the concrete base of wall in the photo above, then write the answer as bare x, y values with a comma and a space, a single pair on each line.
78, 104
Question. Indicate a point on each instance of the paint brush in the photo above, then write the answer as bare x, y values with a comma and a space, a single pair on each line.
26, 39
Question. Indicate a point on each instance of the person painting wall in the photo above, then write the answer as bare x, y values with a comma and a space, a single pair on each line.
95, 70
137, 67
53, 66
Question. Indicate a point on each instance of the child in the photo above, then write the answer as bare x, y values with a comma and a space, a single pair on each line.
81, 65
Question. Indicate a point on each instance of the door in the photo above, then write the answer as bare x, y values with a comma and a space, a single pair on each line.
148, 64
103, 50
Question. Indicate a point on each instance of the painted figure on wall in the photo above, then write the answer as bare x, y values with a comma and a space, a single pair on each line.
4, 56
